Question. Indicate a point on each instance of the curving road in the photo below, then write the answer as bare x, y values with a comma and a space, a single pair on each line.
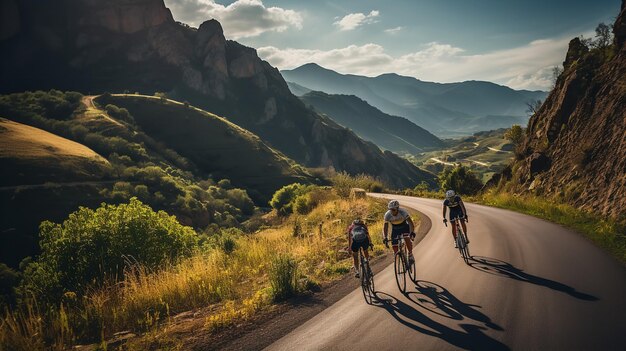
532, 285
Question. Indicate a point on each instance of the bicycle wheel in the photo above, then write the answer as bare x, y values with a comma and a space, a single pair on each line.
411, 269
400, 271
366, 281
370, 275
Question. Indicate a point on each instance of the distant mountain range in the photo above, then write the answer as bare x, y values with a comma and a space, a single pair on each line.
393, 133
445, 109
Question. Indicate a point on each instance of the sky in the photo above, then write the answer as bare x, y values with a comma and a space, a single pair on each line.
510, 42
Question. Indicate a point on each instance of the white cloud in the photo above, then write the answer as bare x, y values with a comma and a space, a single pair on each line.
524, 67
393, 30
353, 20
241, 19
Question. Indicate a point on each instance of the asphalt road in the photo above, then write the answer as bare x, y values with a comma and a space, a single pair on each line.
532, 285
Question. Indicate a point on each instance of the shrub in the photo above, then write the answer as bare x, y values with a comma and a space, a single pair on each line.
91, 247
283, 198
119, 113
283, 277
461, 179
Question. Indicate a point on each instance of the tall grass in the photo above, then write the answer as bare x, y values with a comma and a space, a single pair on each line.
232, 285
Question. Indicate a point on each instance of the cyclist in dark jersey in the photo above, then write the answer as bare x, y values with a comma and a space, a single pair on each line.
401, 224
457, 212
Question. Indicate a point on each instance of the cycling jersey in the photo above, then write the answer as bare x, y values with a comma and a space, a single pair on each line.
455, 202
399, 224
398, 219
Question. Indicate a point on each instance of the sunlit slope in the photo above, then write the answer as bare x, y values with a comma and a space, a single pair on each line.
44, 157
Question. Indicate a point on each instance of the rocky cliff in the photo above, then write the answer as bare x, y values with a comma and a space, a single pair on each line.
575, 148
135, 45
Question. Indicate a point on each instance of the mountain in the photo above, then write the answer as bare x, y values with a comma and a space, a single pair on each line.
136, 46
393, 133
445, 109
575, 146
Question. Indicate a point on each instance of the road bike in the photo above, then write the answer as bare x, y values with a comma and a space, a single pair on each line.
461, 240
367, 277
402, 266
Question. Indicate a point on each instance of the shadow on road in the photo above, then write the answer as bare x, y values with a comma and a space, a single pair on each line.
505, 269
439, 300
472, 337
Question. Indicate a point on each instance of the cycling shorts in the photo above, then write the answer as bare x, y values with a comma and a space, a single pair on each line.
456, 213
397, 230
360, 244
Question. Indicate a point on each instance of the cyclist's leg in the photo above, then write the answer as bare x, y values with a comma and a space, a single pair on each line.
453, 225
366, 250
355, 256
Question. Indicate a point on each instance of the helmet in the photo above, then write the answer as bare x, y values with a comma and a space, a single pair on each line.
393, 204
450, 194
357, 221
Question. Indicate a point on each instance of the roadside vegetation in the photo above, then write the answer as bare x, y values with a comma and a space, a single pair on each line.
128, 268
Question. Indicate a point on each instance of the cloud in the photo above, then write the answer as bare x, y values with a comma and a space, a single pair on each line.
525, 67
241, 19
353, 20
393, 30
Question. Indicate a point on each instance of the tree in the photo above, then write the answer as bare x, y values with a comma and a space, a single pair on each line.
461, 179
556, 73
533, 106
515, 134
603, 36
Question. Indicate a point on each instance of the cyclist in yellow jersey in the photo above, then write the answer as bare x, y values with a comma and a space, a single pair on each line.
401, 224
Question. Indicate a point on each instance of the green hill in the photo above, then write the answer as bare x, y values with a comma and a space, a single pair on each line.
393, 133
213, 144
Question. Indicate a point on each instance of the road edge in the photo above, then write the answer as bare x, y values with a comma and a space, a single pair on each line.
269, 327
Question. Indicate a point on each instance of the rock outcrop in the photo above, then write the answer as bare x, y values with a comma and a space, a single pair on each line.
95, 46
575, 148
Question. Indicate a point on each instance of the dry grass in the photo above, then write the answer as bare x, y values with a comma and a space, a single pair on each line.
231, 286
26, 142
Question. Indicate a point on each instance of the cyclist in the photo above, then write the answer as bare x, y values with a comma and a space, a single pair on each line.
401, 224
457, 211
358, 237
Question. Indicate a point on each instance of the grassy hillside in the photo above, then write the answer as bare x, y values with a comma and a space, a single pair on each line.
486, 153
130, 163
215, 145
30, 155
388, 132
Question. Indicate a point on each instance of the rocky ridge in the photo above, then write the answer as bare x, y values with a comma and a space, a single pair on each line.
575, 146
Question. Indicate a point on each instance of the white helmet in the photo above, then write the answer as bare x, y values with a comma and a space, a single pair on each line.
393, 204
450, 194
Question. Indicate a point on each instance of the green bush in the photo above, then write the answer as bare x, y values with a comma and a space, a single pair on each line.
283, 277
461, 179
119, 113
92, 247
283, 199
